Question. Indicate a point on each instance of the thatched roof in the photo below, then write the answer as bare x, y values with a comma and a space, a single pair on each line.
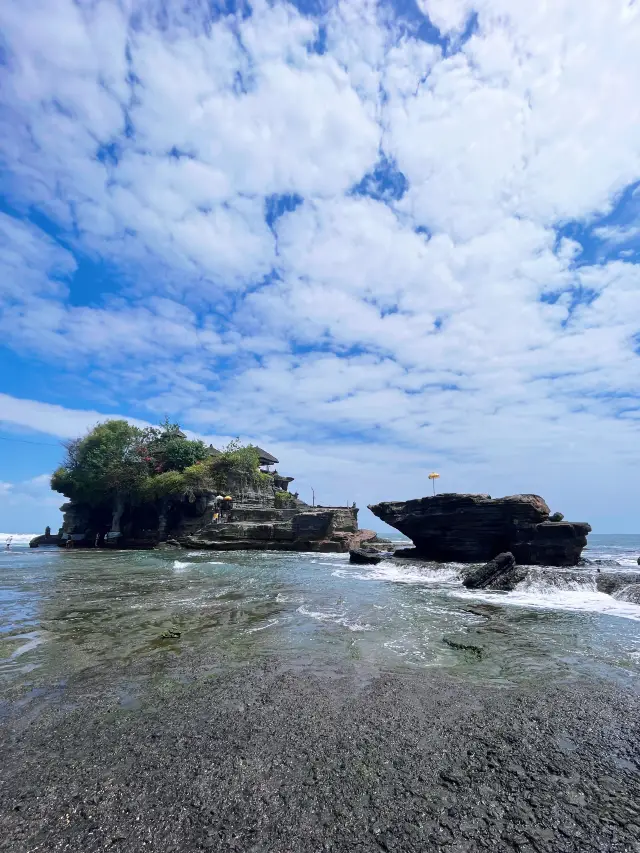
266, 458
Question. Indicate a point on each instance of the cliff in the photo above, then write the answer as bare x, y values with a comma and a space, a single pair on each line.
264, 515
475, 528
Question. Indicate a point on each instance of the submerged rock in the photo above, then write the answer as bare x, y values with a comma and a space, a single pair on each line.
611, 582
365, 556
501, 573
464, 644
473, 528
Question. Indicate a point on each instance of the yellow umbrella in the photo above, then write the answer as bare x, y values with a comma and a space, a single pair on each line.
433, 477
228, 498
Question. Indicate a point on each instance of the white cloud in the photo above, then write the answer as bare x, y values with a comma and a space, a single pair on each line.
28, 505
451, 325
51, 419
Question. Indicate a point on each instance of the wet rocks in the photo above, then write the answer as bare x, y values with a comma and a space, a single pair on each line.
464, 644
629, 593
45, 539
611, 582
474, 528
501, 573
365, 556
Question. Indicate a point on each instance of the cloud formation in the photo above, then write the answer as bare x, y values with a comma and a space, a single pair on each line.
392, 232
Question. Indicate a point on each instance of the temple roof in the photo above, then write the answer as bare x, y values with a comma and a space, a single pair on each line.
266, 458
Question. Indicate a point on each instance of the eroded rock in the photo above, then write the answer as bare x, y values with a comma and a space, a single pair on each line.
501, 573
474, 528
629, 593
611, 582
364, 556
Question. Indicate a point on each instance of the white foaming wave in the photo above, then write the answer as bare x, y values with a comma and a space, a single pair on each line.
337, 617
17, 538
281, 598
572, 597
394, 572
269, 624
179, 566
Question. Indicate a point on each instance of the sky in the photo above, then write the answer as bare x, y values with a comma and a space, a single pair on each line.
378, 239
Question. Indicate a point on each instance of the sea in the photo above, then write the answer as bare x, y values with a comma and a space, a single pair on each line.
127, 615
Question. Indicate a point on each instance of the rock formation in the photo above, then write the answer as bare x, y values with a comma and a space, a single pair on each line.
475, 528
264, 516
501, 573
611, 582
629, 593
363, 556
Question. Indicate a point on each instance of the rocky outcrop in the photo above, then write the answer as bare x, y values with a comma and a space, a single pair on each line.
362, 556
501, 573
260, 518
611, 582
629, 593
474, 528
45, 539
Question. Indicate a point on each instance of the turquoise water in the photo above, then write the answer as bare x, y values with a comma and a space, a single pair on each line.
68, 616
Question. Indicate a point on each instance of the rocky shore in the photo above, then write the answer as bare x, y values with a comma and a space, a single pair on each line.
265, 760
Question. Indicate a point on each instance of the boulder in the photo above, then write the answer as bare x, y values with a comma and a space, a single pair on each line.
611, 582
500, 573
364, 556
474, 528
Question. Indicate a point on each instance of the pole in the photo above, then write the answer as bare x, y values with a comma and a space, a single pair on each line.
314, 495
434, 487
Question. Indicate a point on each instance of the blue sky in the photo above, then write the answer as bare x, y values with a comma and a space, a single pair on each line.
378, 238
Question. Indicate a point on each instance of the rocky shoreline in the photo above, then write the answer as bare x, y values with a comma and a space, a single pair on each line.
261, 759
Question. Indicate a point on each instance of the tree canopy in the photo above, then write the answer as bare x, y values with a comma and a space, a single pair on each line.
117, 460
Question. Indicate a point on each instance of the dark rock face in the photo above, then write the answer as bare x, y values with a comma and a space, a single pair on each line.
611, 582
473, 528
364, 557
500, 573
45, 539
257, 520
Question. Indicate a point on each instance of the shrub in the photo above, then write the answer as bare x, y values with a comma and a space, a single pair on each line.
282, 500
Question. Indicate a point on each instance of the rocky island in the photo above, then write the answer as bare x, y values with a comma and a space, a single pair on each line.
476, 528
133, 488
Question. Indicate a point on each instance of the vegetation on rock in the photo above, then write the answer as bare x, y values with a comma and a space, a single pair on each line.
283, 500
118, 463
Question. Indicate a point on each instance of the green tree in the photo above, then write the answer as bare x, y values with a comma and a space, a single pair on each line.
116, 463
170, 449
111, 463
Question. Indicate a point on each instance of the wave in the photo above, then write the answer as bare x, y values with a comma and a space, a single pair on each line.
543, 588
393, 572
546, 589
17, 538
335, 616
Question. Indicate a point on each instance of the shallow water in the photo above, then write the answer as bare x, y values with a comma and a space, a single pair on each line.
74, 615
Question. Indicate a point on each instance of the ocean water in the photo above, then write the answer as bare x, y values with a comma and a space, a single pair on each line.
76, 615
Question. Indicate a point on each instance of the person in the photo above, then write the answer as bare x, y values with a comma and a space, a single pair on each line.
95, 544
69, 542
216, 517
47, 531
9, 541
